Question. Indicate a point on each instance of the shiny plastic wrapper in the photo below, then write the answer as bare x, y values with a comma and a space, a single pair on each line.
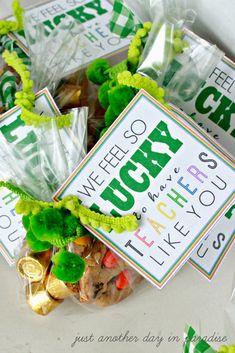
55, 154
51, 53
54, 67
107, 279
165, 40
187, 73
178, 64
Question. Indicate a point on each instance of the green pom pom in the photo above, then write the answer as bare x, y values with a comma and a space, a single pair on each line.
81, 231
26, 222
231, 349
120, 97
68, 267
70, 225
96, 71
47, 225
104, 131
110, 116
35, 244
103, 95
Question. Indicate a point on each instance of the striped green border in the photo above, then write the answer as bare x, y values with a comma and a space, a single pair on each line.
195, 134
44, 92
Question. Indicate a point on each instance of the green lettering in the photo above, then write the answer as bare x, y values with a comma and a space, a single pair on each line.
203, 96
96, 5
48, 24
80, 15
7, 130
125, 202
94, 207
146, 157
31, 138
222, 115
162, 134
10, 198
132, 182
58, 19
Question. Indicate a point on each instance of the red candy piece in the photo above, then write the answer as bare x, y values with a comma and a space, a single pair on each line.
123, 280
110, 259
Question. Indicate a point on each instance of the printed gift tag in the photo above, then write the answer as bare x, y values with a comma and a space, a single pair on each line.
94, 15
155, 165
213, 106
14, 131
210, 253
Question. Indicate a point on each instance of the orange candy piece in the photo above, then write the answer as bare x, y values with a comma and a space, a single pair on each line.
110, 259
123, 280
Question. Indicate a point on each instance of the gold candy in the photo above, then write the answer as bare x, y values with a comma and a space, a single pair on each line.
57, 288
69, 96
39, 299
33, 267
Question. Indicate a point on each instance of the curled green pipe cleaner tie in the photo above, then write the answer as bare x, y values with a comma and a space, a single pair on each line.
27, 205
16, 190
49, 224
13, 26
26, 98
85, 215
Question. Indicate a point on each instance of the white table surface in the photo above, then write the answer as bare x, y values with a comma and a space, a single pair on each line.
188, 298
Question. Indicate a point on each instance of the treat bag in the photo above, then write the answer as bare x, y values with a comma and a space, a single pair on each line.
9, 79
107, 279
145, 10
52, 65
34, 272
41, 167
187, 73
165, 40
171, 59
128, 15
75, 138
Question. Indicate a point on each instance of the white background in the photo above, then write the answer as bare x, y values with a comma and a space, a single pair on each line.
188, 298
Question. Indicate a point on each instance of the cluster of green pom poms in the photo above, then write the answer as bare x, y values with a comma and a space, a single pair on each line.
56, 224
120, 83
112, 97
51, 227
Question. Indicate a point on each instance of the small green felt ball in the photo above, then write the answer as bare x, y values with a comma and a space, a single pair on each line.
35, 244
80, 230
231, 349
104, 131
120, 97
47, 225
110, 116
68, 267
26, 221
103, 95
70, 225
96, 71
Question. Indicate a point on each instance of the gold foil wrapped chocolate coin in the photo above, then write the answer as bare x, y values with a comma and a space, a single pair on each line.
33, 267
56, 288
39, 300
